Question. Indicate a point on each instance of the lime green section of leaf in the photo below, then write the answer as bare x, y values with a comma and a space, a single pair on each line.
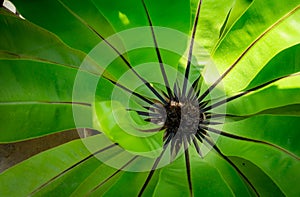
256, 37
278, 94
39, 169
211, 19
237, 10
20, 121
112, 118
279, 130
284, 63
279, 166
263, 184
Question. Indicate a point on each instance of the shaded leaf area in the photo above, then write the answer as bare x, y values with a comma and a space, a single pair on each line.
148, 14
263, 183
29, 44
275, 163
71, 15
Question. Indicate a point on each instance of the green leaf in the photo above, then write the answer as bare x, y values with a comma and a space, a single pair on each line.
136, 16
260, 180
243, 49
37, 119
40, 169
60, 17
118, 126
279, 166
76, 176
278, 94
26, 80
284, 63
270, 128
50, 81
211, 18
238, 9
173, 179
28, 45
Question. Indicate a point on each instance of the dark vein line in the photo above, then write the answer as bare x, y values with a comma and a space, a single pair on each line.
168, 139
187, 164
43, 102
131, 92
149, 108
203, 104
245, 52
199, 136
151, 173
247, 92
231, 163
222, 30
249, 140
190, 94
115, 173
143, 113
195, 90
71, 167
176, 145
196, 96
163, 72
187, 70
197, 147
116, 51
176, 91
217, 116
208, 122
38, 59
